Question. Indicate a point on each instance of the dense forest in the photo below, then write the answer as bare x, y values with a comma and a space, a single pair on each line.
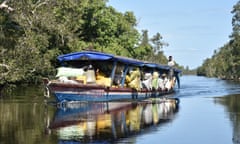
225, 62
34, 32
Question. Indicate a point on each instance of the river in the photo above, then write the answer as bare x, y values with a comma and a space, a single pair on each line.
206, 111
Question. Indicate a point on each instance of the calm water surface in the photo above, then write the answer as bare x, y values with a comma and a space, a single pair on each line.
207, 111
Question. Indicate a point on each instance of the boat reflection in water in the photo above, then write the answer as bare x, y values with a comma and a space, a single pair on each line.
110, 121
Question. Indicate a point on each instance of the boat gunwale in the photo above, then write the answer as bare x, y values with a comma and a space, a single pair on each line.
76, 86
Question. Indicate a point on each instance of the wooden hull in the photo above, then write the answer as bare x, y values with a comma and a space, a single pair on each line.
80, 92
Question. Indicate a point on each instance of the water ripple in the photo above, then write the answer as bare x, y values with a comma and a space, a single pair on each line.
206, 87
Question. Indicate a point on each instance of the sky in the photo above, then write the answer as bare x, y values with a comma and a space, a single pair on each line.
192, 28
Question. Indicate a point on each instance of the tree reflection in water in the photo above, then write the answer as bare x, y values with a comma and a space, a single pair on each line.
110, 121
232, 106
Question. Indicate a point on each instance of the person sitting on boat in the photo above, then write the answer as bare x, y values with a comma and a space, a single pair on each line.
162, 81
165, 83
168, 85
147, 82
155, 80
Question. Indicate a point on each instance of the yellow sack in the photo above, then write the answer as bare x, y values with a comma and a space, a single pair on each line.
82, 78
104, 81
135, 80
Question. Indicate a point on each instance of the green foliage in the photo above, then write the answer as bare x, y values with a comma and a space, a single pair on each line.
36, 32
225, 63
151, 49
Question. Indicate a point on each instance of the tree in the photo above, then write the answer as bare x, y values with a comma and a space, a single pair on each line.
144, 49
35, 32
235, 40
225, 63
158, 43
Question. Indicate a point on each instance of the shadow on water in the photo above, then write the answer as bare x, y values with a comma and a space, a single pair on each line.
110, 121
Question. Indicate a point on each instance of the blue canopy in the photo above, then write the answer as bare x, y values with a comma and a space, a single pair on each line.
151, 65
92, 55
157, 66
88, 55
129, 61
